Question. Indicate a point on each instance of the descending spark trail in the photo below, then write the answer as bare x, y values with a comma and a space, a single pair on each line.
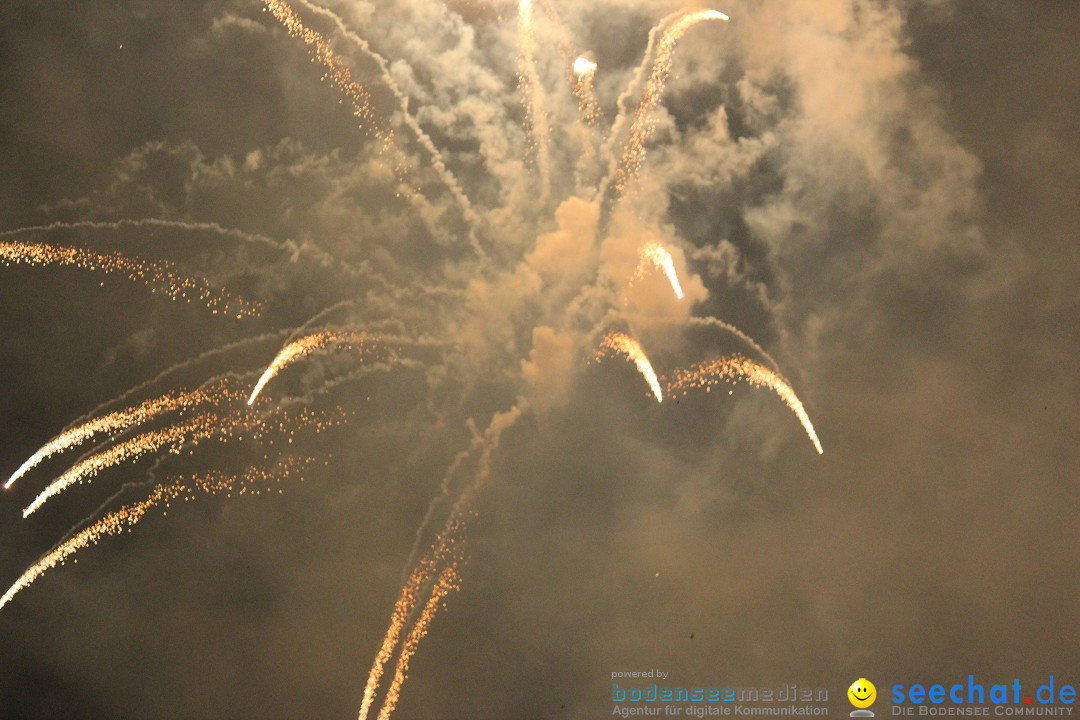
317, 318
214, 228
398, 618
447, 582
191, 430
210, 227
303, 347
716, 322
731, 368
338, 73
580, 72
126, 517
360, 99
584, 71
157, 275
444, 553
629, 347
580, 68
532, 93
477, 443
641, 126
116, 421
437, 160
634, 86
655, 255
183, 365
173, 438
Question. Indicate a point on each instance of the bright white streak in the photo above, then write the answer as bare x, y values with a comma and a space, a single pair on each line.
299, 349
658, 256
119, 420
199, 428
583, 65
632, 350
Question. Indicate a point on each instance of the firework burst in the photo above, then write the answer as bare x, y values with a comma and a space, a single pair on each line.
564, 277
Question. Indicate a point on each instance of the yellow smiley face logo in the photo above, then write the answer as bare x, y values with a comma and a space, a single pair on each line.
862, 693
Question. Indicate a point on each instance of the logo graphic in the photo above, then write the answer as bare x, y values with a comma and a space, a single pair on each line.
862, 695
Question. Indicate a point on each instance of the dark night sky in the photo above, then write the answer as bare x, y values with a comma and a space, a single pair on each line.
883, 194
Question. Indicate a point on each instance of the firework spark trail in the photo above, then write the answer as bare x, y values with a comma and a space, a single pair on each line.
445, 552
486, 443
126, 517
193, 430
655, 255
407, 599
532, 93
583, 70
360, 100
182, 365
157, 275
627, 346
336, 71
210, 227
579, 68
622, 103
732, 368
716, 322
303, 347
114, 422
178, 436
306, 418
290, 246
641, 126
341, 77
438, 162
447, 581
216, 390
580, 72
318, 317
443, 494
